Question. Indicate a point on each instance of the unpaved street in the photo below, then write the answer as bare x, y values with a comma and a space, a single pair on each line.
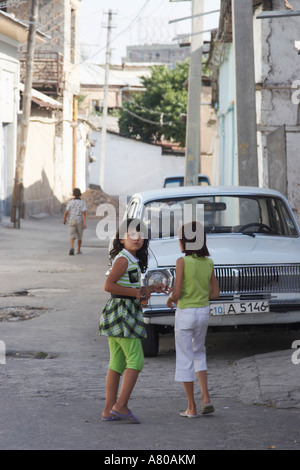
52, 387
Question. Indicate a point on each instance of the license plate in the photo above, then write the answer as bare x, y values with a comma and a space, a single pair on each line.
237, 308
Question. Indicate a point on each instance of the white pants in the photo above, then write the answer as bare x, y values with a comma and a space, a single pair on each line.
190, 333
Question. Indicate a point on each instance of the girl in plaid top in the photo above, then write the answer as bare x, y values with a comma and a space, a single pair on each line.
122, 317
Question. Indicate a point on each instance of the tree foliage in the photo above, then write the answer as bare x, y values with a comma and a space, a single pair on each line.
157, 112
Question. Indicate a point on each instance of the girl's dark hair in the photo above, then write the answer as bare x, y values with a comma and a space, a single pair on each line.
193, 239
122, 231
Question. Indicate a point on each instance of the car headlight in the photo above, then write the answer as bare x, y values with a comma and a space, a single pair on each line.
164, 277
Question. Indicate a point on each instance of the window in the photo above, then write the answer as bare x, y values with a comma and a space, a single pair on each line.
247, 215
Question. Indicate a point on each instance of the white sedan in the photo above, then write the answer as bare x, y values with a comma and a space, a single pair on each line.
253, 239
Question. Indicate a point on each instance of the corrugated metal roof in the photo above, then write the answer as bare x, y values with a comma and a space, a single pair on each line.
42, 100
94, 74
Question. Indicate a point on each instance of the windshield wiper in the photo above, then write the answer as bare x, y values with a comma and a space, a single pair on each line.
249, 234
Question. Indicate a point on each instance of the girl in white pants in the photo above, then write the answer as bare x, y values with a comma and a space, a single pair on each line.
195, 285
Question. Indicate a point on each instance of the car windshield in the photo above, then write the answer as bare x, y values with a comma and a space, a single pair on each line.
249, 215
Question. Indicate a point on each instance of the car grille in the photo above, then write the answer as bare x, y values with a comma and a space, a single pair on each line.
246, 279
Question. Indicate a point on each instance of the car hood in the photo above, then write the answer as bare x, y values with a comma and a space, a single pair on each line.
234, 249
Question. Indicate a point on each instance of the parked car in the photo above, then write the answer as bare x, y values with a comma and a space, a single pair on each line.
178, 180
253, 239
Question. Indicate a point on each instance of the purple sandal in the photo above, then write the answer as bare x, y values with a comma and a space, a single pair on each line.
128, 417
110, 418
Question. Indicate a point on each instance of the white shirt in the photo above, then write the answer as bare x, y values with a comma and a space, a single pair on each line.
75, 208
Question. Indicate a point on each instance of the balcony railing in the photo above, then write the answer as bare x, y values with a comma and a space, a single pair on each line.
47, 72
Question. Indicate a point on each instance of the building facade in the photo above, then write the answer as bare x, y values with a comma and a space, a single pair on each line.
123, 82
276, 90
13, 33
56, 74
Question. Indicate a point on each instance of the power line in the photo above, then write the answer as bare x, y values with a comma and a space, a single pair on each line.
119, 34
148, 121
149, 110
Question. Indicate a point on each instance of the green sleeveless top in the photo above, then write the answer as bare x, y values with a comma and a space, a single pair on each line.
196, 281
132, 276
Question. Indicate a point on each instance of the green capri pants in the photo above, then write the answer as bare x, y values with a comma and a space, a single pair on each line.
125, 353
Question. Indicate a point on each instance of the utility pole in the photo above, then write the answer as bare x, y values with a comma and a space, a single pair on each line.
193, 130
245, 92
105, 102
17, 204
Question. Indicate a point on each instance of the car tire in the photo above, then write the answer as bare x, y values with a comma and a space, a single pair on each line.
151, 343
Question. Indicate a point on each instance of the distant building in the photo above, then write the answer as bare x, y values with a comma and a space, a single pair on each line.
123, 82
168, 54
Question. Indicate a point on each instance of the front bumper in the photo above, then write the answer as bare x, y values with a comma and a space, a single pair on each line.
281, 312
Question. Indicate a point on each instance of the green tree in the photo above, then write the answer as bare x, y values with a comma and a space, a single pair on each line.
157, 113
